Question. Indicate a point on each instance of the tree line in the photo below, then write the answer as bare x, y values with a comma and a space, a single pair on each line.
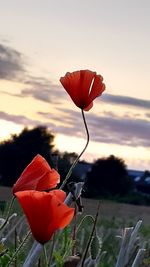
107, 176
19, 150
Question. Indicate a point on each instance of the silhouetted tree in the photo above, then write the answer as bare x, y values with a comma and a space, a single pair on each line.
108, 176
17, 152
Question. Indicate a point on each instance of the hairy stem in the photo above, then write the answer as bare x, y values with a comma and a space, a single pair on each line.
77, 159
83, 219
90, 238
8, 212
19, 248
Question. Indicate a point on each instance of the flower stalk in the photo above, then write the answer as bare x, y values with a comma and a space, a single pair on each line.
90, 238
19, 249
77, 159
8, 213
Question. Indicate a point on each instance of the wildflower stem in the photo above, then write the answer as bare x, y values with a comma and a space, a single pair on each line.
19, 248
90, 238
45, 256
8, 212
52, 249
16, 243
83, 219
77, 159
74, 232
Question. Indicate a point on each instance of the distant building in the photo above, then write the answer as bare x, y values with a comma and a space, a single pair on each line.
135, 175
141, 179
81, 170
143, 185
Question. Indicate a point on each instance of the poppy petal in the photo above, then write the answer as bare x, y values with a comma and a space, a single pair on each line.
45, 213
97, 88
71, 83
49, 181
86, 78
83, 87
33, 175
61, 195
89, 107
62, 213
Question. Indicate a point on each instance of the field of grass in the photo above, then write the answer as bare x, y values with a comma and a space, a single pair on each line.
108, 209
124, 212
113, 218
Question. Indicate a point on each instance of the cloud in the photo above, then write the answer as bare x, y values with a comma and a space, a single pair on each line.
126, 101
43, 89
107, 128
12, 67
118, 130
147, 115
18, 119
11, 63
27, 122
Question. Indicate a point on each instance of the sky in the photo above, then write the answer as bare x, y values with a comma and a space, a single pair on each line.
42, 40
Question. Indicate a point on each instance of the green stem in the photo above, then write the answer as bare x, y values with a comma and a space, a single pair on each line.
16, 243
19, 248
77, 159
90, 238
83, 219
52, 249
74, 232
45, 256
8, 212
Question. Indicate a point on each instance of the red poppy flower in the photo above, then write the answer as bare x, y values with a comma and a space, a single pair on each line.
45, 212
38, 175
83, 87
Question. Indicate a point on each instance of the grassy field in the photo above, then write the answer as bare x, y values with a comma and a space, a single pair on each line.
113, 217
108, 210
125, 212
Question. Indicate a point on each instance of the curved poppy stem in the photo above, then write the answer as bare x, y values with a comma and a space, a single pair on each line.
8, 212
77, 159
83, 219
90, 238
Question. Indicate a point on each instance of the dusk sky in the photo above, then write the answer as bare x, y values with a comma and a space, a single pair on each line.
42, 40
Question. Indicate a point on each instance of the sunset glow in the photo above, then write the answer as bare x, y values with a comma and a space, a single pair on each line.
45, 41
